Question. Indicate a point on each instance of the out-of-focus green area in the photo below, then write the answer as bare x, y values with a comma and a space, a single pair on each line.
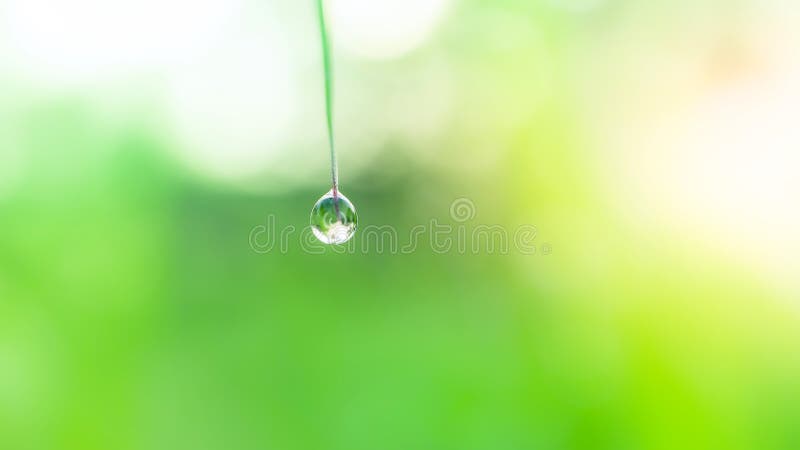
653, 146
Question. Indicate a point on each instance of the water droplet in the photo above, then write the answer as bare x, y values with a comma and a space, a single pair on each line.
334, 221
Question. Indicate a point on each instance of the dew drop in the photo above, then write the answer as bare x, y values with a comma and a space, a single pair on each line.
334, 219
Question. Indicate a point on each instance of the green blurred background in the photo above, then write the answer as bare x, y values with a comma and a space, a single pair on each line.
654, 145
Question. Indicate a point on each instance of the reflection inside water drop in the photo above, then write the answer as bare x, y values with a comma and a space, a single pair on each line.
333, 219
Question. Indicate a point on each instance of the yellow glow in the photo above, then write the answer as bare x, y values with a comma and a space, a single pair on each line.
725, 172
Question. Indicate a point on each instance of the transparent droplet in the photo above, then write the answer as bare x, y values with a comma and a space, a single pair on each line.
333, 221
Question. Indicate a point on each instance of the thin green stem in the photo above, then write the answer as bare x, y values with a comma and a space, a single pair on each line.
328, 70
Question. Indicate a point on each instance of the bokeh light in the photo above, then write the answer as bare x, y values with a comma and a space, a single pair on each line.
89, 40
231, 112
386, 29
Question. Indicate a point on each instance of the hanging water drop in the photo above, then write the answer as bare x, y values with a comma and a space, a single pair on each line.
334, 218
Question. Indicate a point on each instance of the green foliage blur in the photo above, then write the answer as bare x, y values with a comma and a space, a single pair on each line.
142, 307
